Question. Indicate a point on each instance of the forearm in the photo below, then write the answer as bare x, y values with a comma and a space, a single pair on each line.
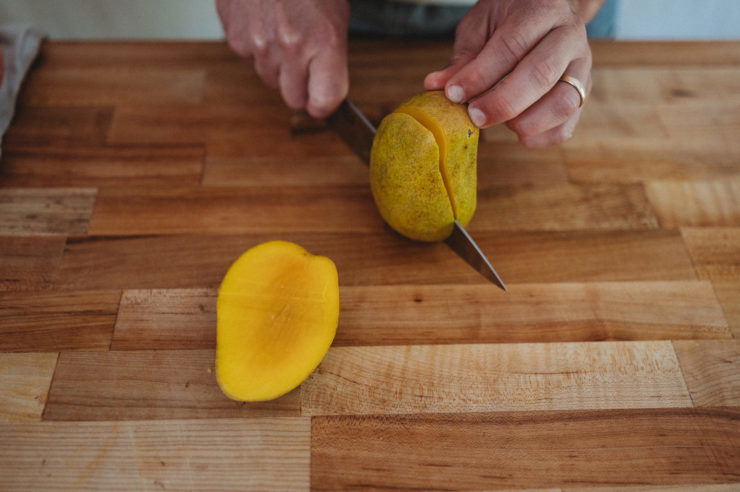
587, 9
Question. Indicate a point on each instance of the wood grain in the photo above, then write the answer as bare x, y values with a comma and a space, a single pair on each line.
29, 262
219, 455
225, 210
154, 384
38, 125
728, 294
436, 314
507, 164
113, 85
696, 203
525, 449
49, 211
351, 209
24, 383
481, 378
100, 165
186, 261
715, 251
710, 369
564, 207
166, 319
53, 321
664, 53
196, 124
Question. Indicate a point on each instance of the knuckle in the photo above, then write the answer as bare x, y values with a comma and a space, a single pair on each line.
514, 45
521, 127
544, 73
566, 103
472, 78
239, 47
500, 109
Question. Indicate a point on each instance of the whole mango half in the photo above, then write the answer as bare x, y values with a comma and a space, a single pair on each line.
423, 167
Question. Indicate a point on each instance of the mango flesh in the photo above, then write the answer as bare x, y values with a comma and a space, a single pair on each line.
423, 167
277, 314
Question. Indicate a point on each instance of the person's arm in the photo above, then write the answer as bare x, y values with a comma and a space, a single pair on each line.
298, 46
507, 62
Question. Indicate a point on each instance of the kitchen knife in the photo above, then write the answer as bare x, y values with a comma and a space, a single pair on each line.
358, 132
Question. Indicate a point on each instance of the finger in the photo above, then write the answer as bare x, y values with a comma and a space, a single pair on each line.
268, 70
555, 107
553, 136
507, 46
470, 37
293, 81
532, 78
328, 82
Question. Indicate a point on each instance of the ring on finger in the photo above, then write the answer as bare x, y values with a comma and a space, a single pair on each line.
577, 85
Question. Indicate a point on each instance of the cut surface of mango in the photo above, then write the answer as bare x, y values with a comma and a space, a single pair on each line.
277, 314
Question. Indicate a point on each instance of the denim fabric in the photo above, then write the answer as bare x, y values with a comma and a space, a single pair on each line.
390, 18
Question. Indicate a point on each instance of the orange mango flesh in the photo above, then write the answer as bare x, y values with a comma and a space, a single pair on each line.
277, 314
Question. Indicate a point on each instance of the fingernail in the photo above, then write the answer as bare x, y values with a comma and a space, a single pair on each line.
455, 93
479, 119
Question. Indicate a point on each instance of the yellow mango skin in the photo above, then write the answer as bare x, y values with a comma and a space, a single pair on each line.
458, 140
406, 182
277, 314
414, 208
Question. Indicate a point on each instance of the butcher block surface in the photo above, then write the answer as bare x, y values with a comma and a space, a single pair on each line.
135, 173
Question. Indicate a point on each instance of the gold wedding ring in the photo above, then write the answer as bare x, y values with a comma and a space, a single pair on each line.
577, 85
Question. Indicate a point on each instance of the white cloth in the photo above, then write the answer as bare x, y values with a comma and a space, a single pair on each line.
20, 44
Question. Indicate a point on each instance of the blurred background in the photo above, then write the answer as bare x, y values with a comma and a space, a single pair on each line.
197, 19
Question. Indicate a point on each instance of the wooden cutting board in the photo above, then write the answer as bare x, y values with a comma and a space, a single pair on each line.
135, 173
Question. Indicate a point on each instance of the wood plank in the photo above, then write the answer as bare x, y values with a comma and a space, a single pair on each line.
24, 383
112, 85
154, 384
237, 83
317, 159
484, 378
564, 207
219, 455
45, 211
187, 261
696, 203
351, 209
232, 210
711, 370
664, 53
100, 165
34, 125
197, 124
716, 487
715, 251
638, 160
166, 319
53, 321
29, 262
437, 314
526, 449
508, 163
728, 294
674, 84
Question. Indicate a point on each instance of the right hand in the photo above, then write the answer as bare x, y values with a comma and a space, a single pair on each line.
299, 47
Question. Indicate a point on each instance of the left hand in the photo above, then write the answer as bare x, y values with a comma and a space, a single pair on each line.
507, 60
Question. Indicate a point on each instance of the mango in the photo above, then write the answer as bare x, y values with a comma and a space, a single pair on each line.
423, 167
277, 313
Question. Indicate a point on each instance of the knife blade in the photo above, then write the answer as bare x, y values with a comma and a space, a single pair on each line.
358, 132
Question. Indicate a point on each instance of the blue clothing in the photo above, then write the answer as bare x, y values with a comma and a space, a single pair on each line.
390, 18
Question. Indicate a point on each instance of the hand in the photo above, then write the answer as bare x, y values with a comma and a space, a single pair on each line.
507, 60
299, 47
